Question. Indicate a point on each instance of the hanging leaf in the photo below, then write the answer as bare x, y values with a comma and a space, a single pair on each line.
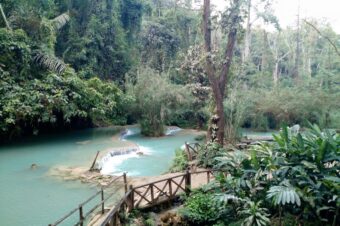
283, 194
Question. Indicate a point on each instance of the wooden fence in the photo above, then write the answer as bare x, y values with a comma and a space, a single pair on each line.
80, 209
192, 150
151, 194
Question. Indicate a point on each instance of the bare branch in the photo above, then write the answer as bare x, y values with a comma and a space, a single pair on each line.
324, 36
4, 17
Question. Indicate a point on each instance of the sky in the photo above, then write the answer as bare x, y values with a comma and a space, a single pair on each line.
286, 11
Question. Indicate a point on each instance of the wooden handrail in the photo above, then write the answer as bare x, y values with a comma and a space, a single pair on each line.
116, 208
82, 217
152, 199
158, 181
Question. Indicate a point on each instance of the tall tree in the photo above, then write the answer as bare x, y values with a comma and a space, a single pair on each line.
218, 80
262, 9
298, 47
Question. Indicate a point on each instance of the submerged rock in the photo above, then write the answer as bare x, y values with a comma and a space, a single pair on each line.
34, 166
81, 174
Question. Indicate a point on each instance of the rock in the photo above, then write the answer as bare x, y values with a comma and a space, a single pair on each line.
34, 166
139, 153
170, 218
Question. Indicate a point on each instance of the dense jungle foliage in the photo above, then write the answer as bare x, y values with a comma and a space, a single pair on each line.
292, 181
68, 64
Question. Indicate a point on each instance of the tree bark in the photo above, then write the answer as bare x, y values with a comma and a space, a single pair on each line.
247, 39
218, 82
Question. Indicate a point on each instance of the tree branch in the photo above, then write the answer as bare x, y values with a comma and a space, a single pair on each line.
326, 37
4, 17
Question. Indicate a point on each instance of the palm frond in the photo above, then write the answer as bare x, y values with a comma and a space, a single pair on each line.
283, 194
50, 62
60, 21
225, 198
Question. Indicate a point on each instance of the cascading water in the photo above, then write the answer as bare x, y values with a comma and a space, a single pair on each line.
172, 130
134, 159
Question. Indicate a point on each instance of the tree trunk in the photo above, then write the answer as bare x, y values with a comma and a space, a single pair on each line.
218, 83
276, 72
247, 39
298, 48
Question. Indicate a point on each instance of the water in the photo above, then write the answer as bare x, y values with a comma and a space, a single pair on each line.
32, 198
157, 154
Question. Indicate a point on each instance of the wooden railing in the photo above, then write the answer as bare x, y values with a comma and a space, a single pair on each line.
151, 194
191, 149
80, 209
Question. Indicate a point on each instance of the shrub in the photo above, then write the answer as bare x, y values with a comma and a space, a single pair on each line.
155, 100
180, 162
201, 209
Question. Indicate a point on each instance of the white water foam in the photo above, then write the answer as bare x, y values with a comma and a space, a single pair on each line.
127, 133
110, 165
172, 130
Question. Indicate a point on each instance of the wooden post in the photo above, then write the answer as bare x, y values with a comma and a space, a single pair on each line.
132, 199
117, 220
125, 183
81, 216
152, 194
170, 188
208, 176
111, 222
94, 161
114, 219
188, 151
102, 197
187, 182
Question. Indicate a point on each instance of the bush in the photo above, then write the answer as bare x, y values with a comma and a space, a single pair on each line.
155, 100
207, 154
201, 209
180, 162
